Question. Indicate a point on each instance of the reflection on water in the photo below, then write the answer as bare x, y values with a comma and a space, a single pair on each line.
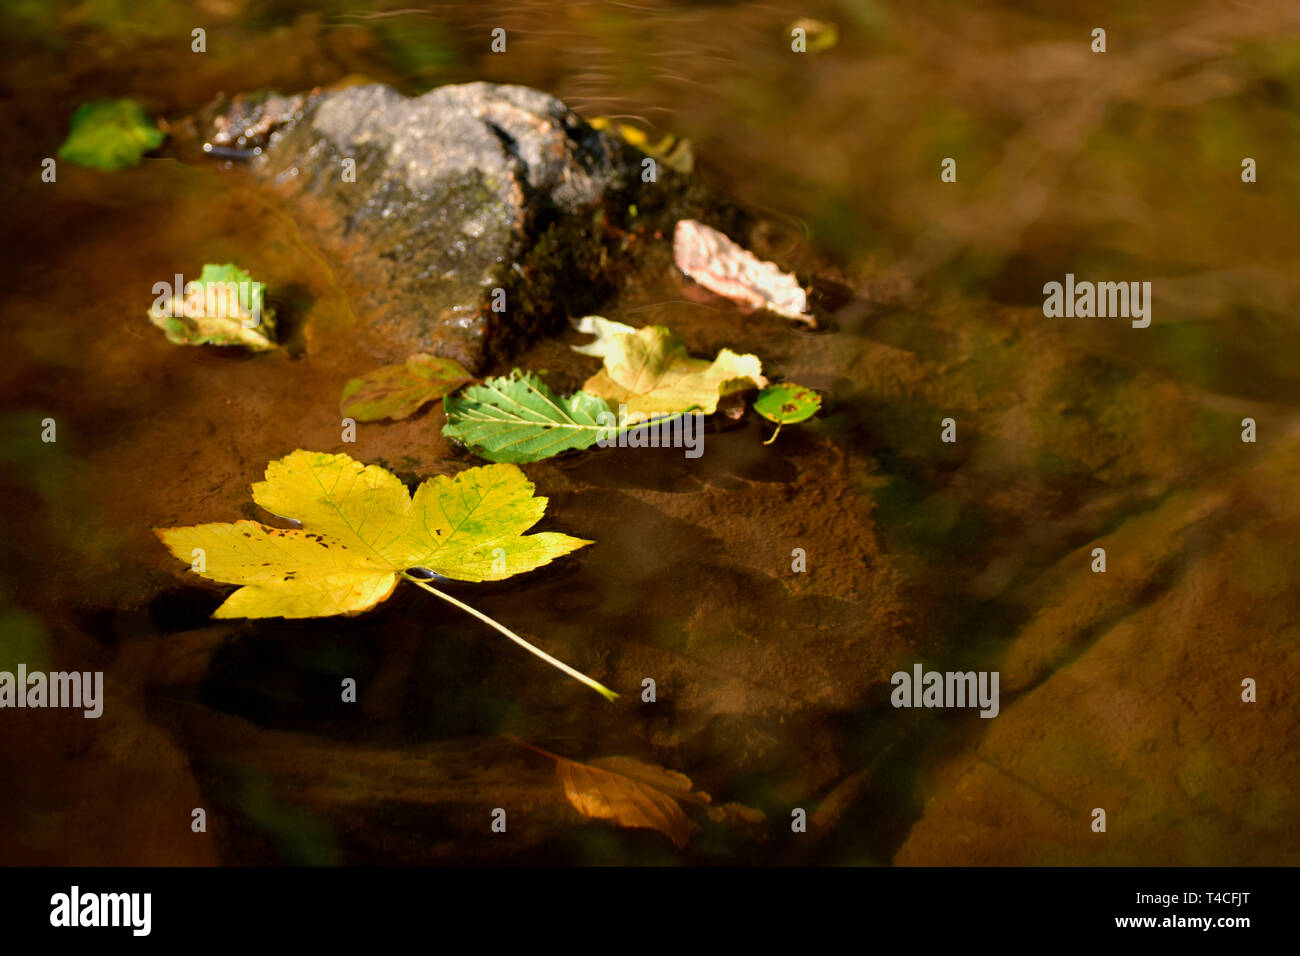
1118, 689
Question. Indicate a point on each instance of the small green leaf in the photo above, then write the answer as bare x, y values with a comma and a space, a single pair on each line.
517, 418
110, 135
225, 306
396, 391
786, 403
213, 274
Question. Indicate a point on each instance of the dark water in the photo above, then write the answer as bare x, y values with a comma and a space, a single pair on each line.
1119, 691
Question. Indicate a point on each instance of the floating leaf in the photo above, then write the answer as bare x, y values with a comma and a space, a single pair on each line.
674, 153
224, 306
110, 135
629, 793
517, 418
722, 266
359, 522
600, 791
650, 371
396, 391
361, 531
786, 403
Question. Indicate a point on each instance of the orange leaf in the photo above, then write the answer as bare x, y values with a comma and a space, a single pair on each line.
631, 794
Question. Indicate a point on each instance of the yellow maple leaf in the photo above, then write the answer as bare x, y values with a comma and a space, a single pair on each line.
284, 573
361, 531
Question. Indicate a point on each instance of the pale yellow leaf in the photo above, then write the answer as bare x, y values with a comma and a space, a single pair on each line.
724, 267
650, 372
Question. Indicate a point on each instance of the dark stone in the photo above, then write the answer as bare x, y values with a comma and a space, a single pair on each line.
458, 192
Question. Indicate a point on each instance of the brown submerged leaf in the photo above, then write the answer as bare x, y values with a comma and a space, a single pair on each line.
632, 794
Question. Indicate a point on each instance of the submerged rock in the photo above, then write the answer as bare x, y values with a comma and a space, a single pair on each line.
440, 200
1134, 692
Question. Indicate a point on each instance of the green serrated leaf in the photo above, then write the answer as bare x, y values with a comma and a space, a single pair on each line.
110, 135
517, 418
396, 391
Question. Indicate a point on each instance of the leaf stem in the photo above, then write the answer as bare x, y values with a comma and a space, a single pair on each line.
774, 434
577, 675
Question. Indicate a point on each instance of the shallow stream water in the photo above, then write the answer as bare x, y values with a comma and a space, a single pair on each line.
1118, 690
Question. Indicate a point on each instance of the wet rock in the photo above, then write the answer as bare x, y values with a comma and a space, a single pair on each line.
431, 203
